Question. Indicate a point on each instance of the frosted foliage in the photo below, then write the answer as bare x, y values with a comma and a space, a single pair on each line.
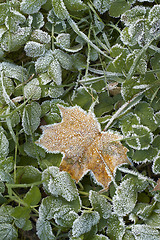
125, 198
101, 5
44, 230
44, 79
144, 232
42, 63
60, 9
13, 20
65, 59
154, 14
4, 145
84, 223
133, 15
8, 231
37, 21
61, 184
100, 204
40, 36
12, 70
55, 72
5, 214
32, 89
7, 87
30, 6
54, 91
65, 216
11, 42
34, 49
31, 117
64, 40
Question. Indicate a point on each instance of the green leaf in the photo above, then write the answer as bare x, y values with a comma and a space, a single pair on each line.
13, 20
143, 210
101, 6
55, 72
63, 39
142, 231
125, 198
145, 155
31, 6
75, 5
32, 90
59, 184
3, 12
40, 36
37, 21
12, 42
127, 121
7, 87
8, 232
134, 14
105, 104
42, 63
128, 235
84, 223
100, 237
115, 228
60, 9
34, 49
154, 14
7, 164
21, 212
5, 214
28, 174
31, 117
118, 7
156, 165
154, 219
44, 230
33, 196
100, 204
33, 150
4, 145
64, 59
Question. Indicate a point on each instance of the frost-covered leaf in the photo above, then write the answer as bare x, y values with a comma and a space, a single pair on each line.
33, 150
100, 237
3, 12
154, 219
34, 49
59, 184
101, 6
44, 230
115, 228
84, 223
32, 90
6, 87
81, 153
33, 196
55, 72
154, 14
128, 235
65, 59
31, 117
63, 39
125, 198
13, 19
142, 137
142, 231
5, 214
42, 63
127, 121
75, 5
143, 210
28, 174
134, 14
40, 36
148, 155
37, 22
156, 165
118, 7
100, 204
30, 6
8, 232
4, 145
12, 42
60, 9
7, 164
14, 71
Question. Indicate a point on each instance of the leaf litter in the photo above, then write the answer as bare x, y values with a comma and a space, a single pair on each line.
83, 145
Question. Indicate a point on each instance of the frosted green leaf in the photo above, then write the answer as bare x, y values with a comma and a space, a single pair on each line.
115, 228
156, 165
100, 204
34, 49
75, 5
128, 235
5, 177
156, 142
32, 90
142, 231
54, 91
50, 112
7, 164
37, 20
65, 217
42, 63
14, 71
142, 64
146, 114
8, 232
134, 14
5, 214
29, 174
125, 198
4, 145
33, 150
15, 119
155, 66
84, 223
142, 137
143, 210
118, 7
144, 156
55, 72
79, 61
12, 42
100, 237
8, 86
31, 117
30, 6
154, 219
51, 17
154, 14
65, 59
60, 9
127, 121
33, 196
13, 19
126, 37
101, 5
63, 39
40, 36
59, 184
44, 230
3, 12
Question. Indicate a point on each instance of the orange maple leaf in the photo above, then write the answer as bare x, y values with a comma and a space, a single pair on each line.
84, 147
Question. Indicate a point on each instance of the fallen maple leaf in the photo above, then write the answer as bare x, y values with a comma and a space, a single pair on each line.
84, 147
157, 187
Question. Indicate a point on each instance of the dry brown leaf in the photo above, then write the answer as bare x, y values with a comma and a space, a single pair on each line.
157, 187
84, 147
